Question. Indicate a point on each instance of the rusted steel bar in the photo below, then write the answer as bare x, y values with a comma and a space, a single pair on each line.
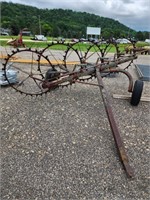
89, 70
130, 87
116, 62
114, 127
118, 70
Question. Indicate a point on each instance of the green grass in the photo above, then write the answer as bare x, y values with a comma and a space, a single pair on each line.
81, 47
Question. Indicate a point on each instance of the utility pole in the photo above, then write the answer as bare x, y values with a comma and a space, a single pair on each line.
40, 25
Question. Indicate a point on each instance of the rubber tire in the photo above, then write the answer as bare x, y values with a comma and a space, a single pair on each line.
137, 92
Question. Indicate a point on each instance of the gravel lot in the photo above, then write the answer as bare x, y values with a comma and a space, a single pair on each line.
60, 146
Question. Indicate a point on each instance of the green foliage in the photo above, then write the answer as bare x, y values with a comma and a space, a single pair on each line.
59, 22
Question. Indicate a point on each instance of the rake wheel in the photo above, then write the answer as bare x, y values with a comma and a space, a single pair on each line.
62, 57
90, 52
26, 65
123, 52
83, 49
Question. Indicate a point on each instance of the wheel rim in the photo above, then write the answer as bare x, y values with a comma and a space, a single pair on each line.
29, 78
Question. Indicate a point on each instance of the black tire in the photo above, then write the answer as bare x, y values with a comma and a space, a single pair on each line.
137, 92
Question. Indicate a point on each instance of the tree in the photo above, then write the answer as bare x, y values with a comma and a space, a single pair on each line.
146, 35
107, 33
14, 27
58, 21
47, 29
140, 36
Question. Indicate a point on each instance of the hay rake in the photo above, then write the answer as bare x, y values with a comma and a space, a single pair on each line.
61, 65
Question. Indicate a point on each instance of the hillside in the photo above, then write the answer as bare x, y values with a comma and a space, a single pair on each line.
58, 22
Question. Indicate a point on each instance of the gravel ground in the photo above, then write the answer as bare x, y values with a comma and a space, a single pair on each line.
60, 146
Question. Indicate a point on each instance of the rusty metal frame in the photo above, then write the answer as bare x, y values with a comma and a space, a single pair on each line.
114, 126
98, 70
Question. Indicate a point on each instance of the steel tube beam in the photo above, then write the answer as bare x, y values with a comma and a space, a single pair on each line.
113, 125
